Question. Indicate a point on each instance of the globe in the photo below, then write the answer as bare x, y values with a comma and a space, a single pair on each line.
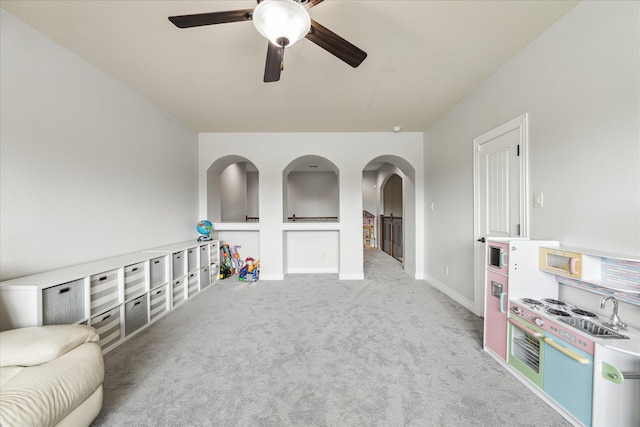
204, 227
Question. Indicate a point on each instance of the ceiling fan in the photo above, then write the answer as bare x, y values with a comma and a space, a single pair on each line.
283, 22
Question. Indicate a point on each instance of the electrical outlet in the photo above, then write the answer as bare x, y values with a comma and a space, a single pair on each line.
446, 270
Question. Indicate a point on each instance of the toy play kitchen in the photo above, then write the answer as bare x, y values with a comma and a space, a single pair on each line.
583, 364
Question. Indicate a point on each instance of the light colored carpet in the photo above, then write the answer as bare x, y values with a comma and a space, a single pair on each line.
315, 351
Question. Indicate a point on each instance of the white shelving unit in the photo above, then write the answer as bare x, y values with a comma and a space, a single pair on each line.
118, 296
596, 271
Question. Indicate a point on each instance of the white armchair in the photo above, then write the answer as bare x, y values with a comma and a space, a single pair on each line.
50, 376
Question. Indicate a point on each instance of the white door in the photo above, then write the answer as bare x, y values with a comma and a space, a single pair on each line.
500, 192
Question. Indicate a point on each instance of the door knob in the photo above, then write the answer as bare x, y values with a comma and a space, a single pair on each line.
482, 240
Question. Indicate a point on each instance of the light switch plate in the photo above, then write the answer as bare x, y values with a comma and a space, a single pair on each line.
537, 200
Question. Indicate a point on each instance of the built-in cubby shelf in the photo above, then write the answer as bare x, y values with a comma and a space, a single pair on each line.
600, 272
118, 296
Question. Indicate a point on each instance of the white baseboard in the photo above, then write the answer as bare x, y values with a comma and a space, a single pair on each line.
351, 276
312, 270
469, 305
271, 276
409, 271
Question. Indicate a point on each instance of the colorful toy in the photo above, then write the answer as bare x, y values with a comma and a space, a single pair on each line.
226, 265
235, 257
250, 271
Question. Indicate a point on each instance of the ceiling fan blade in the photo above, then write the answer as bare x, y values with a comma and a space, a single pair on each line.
211, 18
273, 67
310, 3
306, 3
335, 45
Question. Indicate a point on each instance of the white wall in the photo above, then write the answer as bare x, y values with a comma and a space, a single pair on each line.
233, 194
252, 194
579, 82
392, 195
350, 153
312, 194
88, 168
369, 193
312, 251
248, 242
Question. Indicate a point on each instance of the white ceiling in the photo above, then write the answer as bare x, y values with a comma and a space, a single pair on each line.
423, 56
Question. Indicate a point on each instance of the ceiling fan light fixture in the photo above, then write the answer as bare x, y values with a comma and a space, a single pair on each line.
283, 22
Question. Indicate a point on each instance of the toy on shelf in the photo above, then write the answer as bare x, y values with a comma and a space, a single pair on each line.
205, 228
250, 271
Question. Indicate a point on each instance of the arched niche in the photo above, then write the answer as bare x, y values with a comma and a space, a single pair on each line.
311, 190
232, 190
375, 175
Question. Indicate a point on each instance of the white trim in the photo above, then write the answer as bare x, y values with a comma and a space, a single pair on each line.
312, 270
408, 271
468, 304
274, 277
236, 226
351, 276
520, 123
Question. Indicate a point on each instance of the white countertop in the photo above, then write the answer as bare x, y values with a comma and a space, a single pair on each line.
630, 346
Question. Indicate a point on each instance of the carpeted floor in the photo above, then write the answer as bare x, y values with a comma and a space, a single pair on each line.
315, 351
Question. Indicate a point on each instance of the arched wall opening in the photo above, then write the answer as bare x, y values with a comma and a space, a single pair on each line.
376, 174
311, 215
311, 190
272, 153
232, 190
232, 203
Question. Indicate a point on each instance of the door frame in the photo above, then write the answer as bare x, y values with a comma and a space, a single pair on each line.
520, 124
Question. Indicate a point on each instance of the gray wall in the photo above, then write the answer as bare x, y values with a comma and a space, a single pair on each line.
252, 194
233, 193
88, 168
392, 196
579, 82
313, 194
